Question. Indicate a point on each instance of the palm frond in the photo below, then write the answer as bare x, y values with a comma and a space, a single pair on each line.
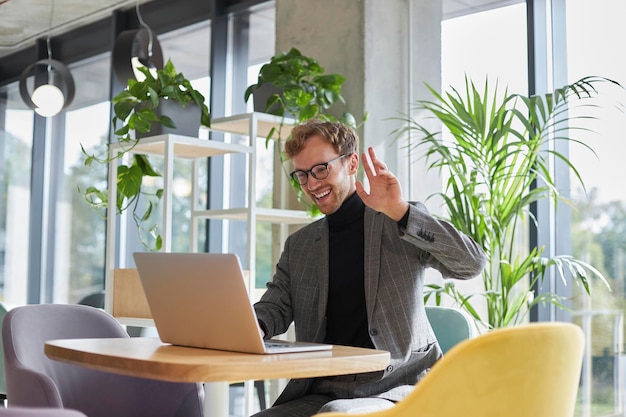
495, 151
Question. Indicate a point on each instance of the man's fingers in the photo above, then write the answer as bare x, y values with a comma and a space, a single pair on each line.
378, 164
360, 189
367, 167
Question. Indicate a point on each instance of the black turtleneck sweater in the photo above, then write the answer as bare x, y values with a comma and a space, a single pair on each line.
346, 314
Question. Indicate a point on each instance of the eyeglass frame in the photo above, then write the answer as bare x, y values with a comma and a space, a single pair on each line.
295, 177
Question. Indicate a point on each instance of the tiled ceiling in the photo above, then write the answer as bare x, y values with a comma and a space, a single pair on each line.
456, 8
22, 22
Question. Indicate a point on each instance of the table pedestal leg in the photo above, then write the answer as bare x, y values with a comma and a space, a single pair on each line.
216, 399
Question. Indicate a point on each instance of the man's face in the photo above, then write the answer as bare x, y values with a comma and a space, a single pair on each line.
328, 193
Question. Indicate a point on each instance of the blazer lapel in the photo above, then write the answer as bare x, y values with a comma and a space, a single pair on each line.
372, 242
320, 249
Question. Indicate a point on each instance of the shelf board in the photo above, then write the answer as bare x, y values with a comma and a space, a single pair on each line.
184, 146
133, 321
240, 124
268, 215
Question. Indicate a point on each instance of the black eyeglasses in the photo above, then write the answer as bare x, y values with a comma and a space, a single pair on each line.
319, 172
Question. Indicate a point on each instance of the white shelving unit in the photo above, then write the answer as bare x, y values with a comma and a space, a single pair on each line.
252, 125
171, 147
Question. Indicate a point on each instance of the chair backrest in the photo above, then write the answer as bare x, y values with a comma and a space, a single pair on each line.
38, 412
95, 299
3, 384
526, 371
450, 325
34, 380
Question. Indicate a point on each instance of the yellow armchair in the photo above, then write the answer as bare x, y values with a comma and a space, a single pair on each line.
525, 371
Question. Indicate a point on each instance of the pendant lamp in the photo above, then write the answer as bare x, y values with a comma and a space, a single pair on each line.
56, 93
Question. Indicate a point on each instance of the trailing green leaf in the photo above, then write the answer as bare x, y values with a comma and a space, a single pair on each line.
134, 111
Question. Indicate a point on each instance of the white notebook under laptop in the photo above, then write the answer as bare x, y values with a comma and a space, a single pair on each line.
200, 300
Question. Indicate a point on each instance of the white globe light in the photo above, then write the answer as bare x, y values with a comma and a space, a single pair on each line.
49, 100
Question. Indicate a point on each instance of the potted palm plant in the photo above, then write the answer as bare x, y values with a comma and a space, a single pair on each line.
495, 157
164, 102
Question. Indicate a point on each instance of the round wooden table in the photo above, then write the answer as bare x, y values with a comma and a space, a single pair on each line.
148, 357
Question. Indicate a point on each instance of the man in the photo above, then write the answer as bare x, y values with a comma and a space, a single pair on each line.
356, 276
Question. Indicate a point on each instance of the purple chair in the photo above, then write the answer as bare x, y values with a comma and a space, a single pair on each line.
34, 380
38, 412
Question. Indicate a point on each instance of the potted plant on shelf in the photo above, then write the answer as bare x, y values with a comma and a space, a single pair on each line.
164, 102
296, 86
495, 157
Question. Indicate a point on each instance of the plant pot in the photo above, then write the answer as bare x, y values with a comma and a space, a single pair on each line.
260, 96
187, 119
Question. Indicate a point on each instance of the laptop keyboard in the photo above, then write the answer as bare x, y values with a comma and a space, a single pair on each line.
274, 344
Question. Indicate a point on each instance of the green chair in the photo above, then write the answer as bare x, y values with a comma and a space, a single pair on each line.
450, 325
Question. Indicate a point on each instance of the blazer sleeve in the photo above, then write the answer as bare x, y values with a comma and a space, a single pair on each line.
452, 253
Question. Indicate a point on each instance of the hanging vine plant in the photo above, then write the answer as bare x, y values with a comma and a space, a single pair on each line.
163, 102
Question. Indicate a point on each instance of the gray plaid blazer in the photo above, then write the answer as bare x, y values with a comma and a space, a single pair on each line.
395, 260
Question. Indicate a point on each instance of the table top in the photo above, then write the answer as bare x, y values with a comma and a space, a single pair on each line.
148, 357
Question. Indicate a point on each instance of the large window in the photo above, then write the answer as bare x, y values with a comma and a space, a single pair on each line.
492, 44
16, 138
599, 214
486, 47
53, 244
78, 238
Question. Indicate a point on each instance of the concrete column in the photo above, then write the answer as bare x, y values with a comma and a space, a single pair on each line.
387, 50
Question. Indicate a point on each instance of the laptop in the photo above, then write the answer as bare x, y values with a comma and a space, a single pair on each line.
200, 300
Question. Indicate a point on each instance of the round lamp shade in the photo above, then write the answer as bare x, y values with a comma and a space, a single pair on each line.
52, 97
131, 50
49, 100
